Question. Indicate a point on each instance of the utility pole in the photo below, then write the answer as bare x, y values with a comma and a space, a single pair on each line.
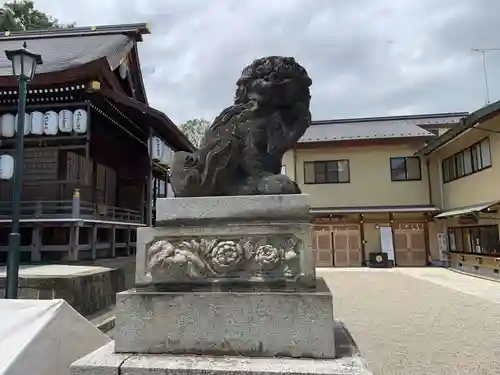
483, 51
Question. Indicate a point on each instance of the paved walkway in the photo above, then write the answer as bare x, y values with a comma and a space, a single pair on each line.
421, 321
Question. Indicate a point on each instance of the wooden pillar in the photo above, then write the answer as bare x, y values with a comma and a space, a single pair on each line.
149, 180
87, 140
74, 242
36, 255
113, 241
129, 236
75, 204
393, 227
427, 240
93, 241
362, 239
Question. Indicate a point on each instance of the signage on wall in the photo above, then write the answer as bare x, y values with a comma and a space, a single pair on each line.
468, 219
386, 242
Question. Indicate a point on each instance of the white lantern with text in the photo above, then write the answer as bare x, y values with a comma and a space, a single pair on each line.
156, 148
6, 167
166, 155
50, 123
8, 125
27, 123
80, 117
36, 123
66, 121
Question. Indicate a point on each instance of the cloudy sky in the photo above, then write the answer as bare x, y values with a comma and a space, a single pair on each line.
366, 57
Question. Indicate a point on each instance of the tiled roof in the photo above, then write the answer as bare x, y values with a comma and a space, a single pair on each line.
376, 128
62, 49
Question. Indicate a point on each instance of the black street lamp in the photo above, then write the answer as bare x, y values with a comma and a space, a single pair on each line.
24, 65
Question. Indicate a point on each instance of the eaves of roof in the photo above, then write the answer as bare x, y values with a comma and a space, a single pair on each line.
65, 50
141, 113
481, 115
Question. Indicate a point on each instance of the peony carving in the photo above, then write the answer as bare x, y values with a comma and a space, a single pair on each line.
225, 256
203, 258
268, 256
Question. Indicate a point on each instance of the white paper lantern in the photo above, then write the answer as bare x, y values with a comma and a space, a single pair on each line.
6, 167
156, 148
166, 155
66, 121
36, 123
8, 125
80, 121
123, 69
50, 123
27, 123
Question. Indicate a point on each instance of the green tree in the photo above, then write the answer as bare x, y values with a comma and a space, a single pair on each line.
22, 15
195, 130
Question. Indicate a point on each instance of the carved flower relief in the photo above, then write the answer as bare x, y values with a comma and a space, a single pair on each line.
211, 257
176, 260
226, 256
267, 256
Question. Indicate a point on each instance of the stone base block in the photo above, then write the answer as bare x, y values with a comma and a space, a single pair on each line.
260, 322
248, 239
104, 361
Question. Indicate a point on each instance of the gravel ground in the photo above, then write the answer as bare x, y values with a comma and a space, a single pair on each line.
420, 321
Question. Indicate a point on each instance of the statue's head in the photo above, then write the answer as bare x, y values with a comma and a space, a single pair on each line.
274, 81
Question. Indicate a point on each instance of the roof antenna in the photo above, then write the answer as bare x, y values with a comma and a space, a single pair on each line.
483, 51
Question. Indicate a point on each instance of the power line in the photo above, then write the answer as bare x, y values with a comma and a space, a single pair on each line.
483, 51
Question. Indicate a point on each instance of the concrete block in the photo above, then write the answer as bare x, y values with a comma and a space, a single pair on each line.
105, 361
203, 365
102, 361
171, 211
259, 322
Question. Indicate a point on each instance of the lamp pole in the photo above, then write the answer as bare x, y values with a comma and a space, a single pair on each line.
14, 235
24, 65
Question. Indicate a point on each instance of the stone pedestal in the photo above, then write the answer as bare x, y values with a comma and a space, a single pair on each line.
227, 285
265, 322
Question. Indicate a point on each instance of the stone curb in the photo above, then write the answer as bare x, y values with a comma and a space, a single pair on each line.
107, 324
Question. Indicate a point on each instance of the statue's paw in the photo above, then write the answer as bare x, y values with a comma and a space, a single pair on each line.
277, 184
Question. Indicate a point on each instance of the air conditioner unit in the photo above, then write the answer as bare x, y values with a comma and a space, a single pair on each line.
380, 260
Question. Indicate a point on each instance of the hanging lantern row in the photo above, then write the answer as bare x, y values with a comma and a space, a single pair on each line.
48, 123
6, 167
160, 152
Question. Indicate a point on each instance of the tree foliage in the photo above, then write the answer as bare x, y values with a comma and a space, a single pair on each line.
22, 15
195, 130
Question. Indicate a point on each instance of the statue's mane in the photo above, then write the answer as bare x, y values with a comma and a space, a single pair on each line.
262, 75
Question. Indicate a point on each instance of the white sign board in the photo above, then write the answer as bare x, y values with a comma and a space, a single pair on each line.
386, 242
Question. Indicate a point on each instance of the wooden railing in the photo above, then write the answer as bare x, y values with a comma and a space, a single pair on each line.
74, 209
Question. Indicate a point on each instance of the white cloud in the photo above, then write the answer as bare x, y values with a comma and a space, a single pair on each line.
366, 57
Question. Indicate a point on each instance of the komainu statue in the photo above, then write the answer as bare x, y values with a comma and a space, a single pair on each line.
242, 150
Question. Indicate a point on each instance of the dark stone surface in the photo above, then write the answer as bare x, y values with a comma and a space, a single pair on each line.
242, 150
86, 293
